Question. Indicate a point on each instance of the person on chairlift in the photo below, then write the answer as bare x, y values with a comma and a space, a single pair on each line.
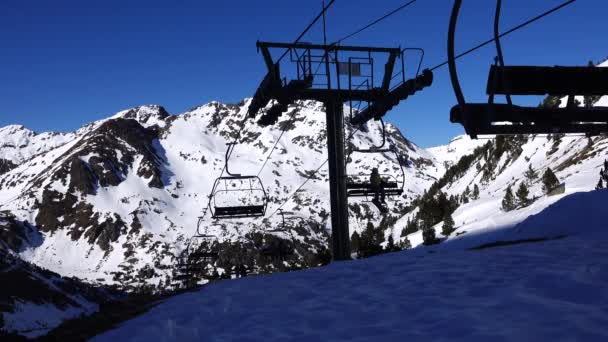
377, 185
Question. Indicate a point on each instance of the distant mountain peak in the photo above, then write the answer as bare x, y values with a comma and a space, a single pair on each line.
147, 115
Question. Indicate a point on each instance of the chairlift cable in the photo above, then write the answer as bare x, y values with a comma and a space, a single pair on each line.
321, 15
526, 23
293, 115
308, 178
312, 23
402, 7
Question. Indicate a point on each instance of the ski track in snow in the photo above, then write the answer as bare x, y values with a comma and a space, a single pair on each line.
551, 290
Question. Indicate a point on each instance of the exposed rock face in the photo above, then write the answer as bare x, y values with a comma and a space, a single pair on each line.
6, 166
13, 233
102, 159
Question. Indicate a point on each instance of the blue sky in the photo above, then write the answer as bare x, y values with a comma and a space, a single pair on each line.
66, 63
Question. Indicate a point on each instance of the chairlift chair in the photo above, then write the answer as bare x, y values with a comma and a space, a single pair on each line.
200, 252
507, 118
222, 203
278, 248
360, 186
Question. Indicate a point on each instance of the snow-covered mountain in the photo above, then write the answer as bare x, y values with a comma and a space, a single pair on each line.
116, 201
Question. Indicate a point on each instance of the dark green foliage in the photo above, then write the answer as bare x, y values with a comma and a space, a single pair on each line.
508, 202
549, 180
475, 195
600, 184
448, 225
370, 241
530, 174
603, 176
404, 244
522, 195
434, 209
390, 246
428, 236
410, 227
355, 241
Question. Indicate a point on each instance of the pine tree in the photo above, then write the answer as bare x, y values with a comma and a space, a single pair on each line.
530, 174
603, 176
549, 180
369, 243
600, 184
464, 198
475, 192
410, 227
390, 246
508, 202
428, 236
522, 195
404, 244
355, 241
448, 225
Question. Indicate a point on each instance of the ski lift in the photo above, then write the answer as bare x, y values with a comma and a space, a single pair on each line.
360, 185
507, 118
201, 251
278, 248
236, 195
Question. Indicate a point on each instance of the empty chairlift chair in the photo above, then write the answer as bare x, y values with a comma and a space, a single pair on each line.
201, 251
275, 247
237, 196
507, 118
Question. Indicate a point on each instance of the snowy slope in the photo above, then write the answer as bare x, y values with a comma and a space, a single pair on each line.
457, 148
33, 301
549, 290
117, 200
576, 161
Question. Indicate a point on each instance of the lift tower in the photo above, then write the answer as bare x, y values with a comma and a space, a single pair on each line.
346, 73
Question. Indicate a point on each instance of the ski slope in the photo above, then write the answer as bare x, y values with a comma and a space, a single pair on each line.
542, 291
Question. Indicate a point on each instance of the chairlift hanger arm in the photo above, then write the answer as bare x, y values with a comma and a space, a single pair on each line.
380, 107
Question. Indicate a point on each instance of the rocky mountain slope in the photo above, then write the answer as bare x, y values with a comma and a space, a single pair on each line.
116, 201
33, 301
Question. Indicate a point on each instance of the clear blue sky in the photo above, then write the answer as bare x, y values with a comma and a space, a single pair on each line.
66, 63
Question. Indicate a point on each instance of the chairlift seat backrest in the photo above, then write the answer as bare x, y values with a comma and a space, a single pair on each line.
543, 80
239, 211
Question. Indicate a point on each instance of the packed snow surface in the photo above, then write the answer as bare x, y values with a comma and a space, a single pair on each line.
530, 291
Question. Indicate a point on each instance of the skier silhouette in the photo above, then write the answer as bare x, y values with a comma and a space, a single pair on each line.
377, 185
